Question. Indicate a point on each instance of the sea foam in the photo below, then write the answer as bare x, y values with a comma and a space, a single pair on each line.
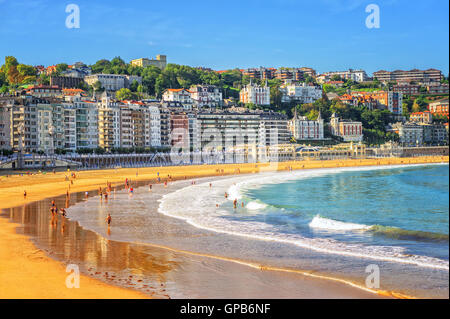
330, 224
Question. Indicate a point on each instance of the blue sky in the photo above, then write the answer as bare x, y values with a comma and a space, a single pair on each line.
323, 34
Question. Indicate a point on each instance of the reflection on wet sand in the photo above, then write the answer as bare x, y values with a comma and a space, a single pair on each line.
120, 263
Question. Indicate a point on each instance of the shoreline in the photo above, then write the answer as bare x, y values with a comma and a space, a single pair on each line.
47, 185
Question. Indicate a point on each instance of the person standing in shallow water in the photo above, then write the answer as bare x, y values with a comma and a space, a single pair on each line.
108, 220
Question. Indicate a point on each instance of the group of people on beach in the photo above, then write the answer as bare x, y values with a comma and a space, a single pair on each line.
54, 213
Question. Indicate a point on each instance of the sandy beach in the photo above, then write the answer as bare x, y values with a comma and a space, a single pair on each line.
27, 272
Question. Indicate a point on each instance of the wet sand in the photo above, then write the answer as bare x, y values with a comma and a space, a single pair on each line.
154, 271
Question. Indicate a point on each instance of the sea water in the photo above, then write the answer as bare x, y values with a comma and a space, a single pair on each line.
332, 221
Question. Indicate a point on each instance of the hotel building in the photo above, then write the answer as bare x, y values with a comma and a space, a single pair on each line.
350, 131
255, 94
206, 96
303, 129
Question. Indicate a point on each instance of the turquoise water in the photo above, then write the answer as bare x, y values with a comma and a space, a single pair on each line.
405, 208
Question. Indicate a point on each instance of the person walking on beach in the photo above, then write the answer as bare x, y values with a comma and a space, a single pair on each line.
150, 187
108, 220
235, 204
86, 195
24, 194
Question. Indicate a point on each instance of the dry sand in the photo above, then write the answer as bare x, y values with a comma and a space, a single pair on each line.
26, 272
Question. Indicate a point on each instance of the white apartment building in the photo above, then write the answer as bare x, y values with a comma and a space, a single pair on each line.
5, 123
206, 96
350, 74
300, 92
411, 134
108, 124
51, 127
273, 129
112, 82
255, 94
70, 128
86, 113
194, 132
179, 95
155, 126
224, 130
304, 129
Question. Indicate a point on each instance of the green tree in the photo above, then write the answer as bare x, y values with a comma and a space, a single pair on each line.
101, 66
134, 86
97, 86
125, 94
44, 79
61, 67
